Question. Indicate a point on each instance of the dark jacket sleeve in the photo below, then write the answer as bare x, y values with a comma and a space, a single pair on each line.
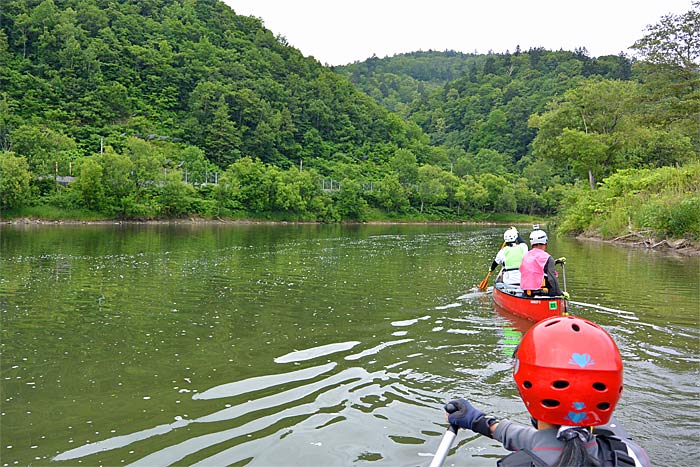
514, 436
552, 281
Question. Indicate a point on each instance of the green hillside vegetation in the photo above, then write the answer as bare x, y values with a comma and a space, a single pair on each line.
427, 85
647, 203
173, 108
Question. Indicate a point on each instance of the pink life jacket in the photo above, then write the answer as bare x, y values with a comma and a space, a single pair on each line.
532, 269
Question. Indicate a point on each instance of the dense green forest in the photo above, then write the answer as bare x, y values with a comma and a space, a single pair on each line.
168, 108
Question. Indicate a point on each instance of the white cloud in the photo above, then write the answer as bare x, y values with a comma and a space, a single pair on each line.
342, 32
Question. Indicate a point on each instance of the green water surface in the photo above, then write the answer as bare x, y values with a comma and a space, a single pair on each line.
306, 345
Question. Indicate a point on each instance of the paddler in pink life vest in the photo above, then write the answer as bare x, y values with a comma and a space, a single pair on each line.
510, 256
537, 274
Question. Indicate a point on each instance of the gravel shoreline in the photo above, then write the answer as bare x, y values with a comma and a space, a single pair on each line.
680, 247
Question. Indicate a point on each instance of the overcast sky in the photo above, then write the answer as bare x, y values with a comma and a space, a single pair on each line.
341, 32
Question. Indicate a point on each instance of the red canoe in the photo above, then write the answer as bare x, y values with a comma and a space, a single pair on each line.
511, 300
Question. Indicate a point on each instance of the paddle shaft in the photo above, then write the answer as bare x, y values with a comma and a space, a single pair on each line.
566, 303
445, 445
563, 273
483, 284
447, 440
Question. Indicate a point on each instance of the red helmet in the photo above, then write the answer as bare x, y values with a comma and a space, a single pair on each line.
569, 372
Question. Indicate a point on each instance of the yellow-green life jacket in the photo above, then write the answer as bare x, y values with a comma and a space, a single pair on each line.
514, 256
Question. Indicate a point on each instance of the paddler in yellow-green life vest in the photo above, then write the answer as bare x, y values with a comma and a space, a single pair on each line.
510, 256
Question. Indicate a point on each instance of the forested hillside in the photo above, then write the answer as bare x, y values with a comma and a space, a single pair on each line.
488, 107
186, 70
400, 83
544, 120
169, 108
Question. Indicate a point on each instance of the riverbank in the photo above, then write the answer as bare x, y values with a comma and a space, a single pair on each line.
200, 220
681, 247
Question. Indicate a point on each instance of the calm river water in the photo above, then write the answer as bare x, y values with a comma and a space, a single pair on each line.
306, 345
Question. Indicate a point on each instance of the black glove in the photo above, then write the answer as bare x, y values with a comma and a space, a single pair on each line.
469, 417
494, 265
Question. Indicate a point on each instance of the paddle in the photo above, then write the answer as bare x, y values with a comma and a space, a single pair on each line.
566, 302
563, 272
485, 283
447, 440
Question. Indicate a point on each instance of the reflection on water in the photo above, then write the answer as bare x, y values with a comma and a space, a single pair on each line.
305, 345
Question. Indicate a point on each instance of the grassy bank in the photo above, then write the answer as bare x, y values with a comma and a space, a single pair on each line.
45, 213
659, 204
51, 213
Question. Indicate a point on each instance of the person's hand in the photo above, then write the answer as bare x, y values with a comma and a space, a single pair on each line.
566, 295
561, 260
465, 415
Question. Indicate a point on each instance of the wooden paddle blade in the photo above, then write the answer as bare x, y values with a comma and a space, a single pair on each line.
485, 283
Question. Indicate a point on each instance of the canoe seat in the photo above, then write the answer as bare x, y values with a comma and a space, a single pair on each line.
511, 289
543, 292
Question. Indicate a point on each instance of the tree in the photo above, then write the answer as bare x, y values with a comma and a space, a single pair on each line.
223, 137
252, 183
392, 196
587, 154
89, 183
430, 188
175, 195
148, 161
669, 64
471, 194
8, 120
295, 191
116, 177
405, 165
526, 199
451, 184
586, 128
491, 161
350, 203
674, 42
44, 148
195, 164
15, 177
495, 187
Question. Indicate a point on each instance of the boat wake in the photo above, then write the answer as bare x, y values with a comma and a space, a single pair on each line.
629, 314
475, 293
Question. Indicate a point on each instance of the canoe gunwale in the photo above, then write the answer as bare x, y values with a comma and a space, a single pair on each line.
535, 308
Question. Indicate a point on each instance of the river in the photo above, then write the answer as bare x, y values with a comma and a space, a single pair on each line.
306, 345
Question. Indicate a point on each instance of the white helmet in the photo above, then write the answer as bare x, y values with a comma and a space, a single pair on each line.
538, 237
510, 235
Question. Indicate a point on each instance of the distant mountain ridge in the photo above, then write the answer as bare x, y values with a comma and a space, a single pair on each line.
452, 95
